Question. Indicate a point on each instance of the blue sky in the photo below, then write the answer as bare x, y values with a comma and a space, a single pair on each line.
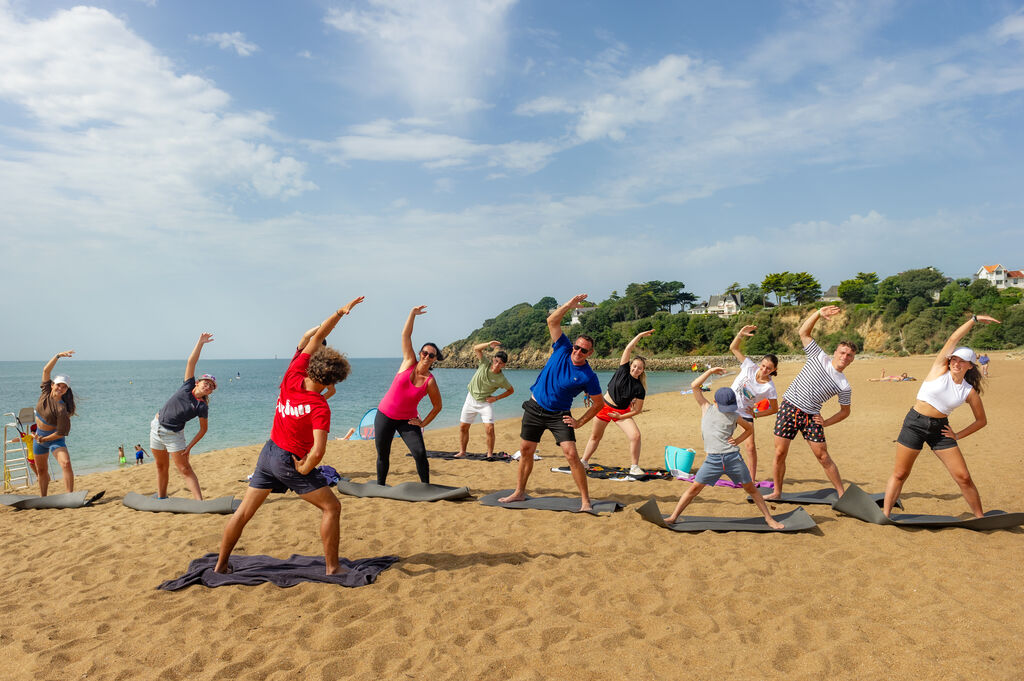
241, 167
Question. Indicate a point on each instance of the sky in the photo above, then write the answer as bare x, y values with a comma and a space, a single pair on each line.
245, 167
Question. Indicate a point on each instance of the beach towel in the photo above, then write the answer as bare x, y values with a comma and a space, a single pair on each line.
67, 500
406, 491
825, 497
794, 521
860, 505
253, 570
551, 503
504, 457
141, 502
618, 473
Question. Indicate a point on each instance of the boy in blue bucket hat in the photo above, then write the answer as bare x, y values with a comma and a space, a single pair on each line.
722, 455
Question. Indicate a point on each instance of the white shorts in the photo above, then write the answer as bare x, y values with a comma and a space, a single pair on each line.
162, 438
471, 408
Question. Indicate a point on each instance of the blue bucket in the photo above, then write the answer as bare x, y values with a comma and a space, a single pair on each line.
679, 460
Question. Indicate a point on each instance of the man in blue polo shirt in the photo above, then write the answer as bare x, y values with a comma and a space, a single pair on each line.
565, 375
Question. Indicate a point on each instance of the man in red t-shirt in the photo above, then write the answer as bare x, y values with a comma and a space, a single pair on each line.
297, 443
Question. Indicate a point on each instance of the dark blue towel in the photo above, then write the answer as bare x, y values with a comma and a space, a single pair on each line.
252, 570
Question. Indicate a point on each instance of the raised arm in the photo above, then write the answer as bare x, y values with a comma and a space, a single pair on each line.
53, 362
408, 352
193, 359
805, 328
628, 351
324, 330
734, 347
555, 318
698, 394
479, 348
305, 338
954, 340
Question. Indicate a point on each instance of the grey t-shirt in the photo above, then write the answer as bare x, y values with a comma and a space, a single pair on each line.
717, 428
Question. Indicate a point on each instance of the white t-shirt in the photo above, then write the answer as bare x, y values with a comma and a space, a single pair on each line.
748, 391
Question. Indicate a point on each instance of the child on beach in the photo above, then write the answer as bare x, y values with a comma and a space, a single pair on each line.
722, 455
139, 453
120, 456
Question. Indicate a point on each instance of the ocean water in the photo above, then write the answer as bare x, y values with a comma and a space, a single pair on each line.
116, 400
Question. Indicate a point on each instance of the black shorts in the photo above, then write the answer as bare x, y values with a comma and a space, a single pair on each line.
919, 429
792, 420
275, 470
537, 419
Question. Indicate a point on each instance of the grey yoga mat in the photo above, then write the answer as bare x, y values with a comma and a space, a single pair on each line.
550, 503
140, 502
66, 500
406, 491
252, 570
794, 521
859, 504
825, 497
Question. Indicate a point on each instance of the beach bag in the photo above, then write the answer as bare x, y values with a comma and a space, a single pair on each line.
678, 460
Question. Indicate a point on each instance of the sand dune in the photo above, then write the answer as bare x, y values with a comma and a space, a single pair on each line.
489, 593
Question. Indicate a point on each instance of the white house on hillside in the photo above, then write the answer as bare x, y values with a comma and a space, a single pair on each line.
725, 305
1000, 277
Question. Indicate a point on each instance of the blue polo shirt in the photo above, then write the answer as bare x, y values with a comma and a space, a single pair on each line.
560, 380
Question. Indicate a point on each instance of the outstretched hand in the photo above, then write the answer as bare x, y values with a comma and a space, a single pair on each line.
419, 309
985, 319
747, 331
576, 300
717, 370
643, 334
205, 338
66, 353
830, 311
494, 343
347, 309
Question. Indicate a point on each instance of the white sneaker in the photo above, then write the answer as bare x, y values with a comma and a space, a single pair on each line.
636, 470
586, 465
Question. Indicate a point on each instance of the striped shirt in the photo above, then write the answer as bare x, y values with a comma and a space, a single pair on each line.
817, 382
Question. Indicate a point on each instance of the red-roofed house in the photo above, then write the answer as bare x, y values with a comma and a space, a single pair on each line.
1000, 277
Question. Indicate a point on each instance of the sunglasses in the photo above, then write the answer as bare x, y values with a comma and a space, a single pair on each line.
431, 355
584, 351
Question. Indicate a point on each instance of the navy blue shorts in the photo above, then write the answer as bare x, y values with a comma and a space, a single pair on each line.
275, 470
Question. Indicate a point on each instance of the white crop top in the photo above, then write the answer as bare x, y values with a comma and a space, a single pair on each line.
943, 394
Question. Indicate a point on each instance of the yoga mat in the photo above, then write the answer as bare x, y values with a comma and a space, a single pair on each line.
725, 482
252, 570
857, 503
618, 473
406, 491
550, 503
66, 500
141, 502
825, 497
470, 456
794, 521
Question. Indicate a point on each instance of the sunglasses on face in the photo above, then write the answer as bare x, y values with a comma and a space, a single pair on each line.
581, 350
425, 353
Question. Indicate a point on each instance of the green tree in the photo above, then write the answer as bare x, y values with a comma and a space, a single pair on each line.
803, 288
775, 283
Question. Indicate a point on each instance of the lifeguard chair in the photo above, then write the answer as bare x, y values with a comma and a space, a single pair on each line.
17, 447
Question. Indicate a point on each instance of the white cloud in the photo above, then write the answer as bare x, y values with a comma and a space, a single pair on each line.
1010, 27
437, 56
229, 41
305, 54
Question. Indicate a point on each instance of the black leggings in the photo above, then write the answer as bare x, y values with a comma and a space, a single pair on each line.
384, 429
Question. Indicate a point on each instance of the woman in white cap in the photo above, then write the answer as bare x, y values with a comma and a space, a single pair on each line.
53, 413
167, 430
953, 379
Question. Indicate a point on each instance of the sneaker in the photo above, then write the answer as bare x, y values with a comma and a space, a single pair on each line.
636, 470
586, 465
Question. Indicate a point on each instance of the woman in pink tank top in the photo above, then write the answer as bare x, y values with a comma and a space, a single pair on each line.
397, 411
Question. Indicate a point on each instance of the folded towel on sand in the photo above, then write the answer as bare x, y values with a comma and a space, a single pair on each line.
252, 570
600, 472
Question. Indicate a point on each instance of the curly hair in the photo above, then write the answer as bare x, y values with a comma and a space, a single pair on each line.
327, 366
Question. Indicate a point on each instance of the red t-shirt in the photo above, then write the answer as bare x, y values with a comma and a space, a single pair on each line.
299, 411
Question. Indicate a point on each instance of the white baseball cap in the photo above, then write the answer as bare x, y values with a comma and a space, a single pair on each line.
966, 354
61, 378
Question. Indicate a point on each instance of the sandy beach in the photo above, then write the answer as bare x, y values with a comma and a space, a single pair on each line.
489, 593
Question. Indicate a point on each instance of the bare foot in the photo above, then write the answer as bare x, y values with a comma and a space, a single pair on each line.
670, 520
336, 570
226, 570
774, 496
775, 524
460, 455
512, 497
586, 507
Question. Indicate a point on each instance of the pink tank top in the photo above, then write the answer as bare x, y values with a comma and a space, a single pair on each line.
400, 401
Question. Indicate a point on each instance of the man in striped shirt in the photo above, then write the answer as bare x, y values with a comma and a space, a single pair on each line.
820, 379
